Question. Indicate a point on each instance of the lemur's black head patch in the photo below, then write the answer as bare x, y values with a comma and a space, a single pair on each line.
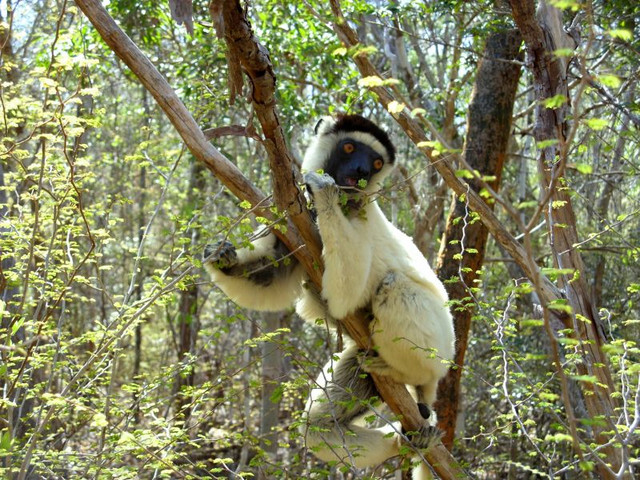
357, 123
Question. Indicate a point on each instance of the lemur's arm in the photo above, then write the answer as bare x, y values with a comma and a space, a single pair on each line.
263, 276
346, 254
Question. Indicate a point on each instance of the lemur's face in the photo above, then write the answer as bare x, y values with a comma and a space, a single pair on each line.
352, 164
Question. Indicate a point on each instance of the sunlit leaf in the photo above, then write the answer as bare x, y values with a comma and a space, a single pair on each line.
621, 33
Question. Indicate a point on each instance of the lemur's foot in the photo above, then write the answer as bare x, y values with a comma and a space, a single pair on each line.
425, 438
221, 254
428, 435
373, 363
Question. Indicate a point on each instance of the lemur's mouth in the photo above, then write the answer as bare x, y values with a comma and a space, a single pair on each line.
350, 182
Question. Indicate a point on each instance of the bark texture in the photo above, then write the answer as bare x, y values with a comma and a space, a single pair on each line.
245, 49
543, 34
190, 131
485, 150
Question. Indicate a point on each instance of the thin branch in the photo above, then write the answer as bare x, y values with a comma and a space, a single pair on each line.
167, 99
409, 124
182, 119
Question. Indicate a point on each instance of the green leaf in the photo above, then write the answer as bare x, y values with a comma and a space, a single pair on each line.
566, 5
547, 143
564, 52
395, 107
633, 288
277, 394
608, 80
583, 168
621, 33
370, 82
364, 50
559, 437
596, 123
17, 324
99, 420
554, 102
555, 273
5, 441
464, 173
585, 378
560, 305
587, 466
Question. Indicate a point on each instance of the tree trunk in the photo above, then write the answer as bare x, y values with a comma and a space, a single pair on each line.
488, 132
187, 333
602, 205
543, 36
188, 315
271, 375
142, 205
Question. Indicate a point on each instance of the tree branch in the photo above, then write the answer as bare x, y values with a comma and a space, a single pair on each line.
182, 119
231, 22
286, 193
246, 49
549, 292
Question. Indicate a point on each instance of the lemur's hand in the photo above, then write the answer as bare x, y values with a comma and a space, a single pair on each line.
316, 182
221, 255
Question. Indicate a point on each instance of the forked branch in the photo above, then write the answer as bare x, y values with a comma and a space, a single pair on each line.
237, 31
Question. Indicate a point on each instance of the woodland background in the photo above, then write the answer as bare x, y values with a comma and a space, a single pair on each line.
119, 359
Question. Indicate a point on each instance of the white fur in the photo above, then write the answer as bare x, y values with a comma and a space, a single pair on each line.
322, 145
347, 444
368, 263
281, 294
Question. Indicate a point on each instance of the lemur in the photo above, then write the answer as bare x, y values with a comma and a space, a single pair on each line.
368, 264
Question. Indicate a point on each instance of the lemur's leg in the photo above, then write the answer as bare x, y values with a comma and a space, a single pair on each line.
262, 277
336, 430
411, 330
347, 256
313, 308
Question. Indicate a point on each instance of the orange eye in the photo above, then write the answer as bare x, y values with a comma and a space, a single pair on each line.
348, 148
378, 163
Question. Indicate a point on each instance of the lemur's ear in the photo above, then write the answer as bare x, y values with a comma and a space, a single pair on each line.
324, 125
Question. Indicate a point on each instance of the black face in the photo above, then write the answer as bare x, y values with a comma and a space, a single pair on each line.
352, 161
